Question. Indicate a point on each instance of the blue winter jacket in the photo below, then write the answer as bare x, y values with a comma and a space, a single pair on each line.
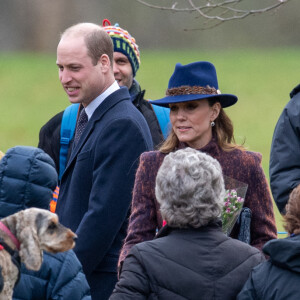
285, 152
279, 277
27, 179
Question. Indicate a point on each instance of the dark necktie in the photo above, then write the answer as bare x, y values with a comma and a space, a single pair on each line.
81, 123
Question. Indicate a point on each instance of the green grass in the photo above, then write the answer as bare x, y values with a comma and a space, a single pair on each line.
262, 79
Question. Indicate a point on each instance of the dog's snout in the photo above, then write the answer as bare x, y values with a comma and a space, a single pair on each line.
70, 233
75, 238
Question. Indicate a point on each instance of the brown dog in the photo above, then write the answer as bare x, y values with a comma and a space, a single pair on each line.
24, 235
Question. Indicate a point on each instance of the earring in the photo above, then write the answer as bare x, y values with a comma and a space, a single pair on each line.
212, 124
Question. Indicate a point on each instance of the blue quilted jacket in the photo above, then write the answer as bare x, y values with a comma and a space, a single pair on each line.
27, 179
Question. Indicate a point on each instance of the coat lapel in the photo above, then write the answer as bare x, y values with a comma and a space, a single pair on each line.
109, 102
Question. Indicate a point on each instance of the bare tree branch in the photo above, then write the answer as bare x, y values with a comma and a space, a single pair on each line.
214, 12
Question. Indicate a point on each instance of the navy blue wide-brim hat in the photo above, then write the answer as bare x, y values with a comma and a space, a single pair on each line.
194, 81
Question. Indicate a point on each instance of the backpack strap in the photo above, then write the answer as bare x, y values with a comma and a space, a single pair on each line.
68, 125
163, 117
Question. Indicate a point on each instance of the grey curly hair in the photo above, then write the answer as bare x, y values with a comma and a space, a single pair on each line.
190, 189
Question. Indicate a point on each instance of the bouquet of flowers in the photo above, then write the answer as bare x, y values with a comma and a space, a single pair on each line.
233, 203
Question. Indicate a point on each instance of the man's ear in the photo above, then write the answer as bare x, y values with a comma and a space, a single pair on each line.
104, 62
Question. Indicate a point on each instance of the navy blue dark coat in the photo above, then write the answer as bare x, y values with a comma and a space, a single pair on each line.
279, 277
95, 190
27, 179
285, 152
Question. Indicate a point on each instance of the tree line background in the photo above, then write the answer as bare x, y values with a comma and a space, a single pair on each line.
34, 25
257, 58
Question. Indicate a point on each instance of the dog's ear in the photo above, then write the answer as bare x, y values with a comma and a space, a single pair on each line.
30, 252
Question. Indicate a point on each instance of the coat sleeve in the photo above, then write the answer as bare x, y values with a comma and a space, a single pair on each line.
248, 291
133, 283
285, 152
70, 283
143, 219
258, 199
117, 151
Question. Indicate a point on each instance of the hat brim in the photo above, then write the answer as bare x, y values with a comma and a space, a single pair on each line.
224, 99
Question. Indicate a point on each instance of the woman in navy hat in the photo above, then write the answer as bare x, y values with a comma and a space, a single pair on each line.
199, 121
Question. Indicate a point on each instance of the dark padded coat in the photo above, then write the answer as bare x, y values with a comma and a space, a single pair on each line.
27, 179
279, 277
187, 264
285, 152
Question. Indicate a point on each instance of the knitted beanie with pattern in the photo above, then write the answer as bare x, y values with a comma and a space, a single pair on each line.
124, 43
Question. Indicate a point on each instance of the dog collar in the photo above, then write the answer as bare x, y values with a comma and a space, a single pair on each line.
11, 236
15, 257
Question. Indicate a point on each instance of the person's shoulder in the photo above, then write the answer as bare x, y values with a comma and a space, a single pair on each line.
147, 248
243, 251
152, 156
239, 245
248, 157
292, 108
56, 119
117, 99
254, 157
295, 91
53, 123
119, 108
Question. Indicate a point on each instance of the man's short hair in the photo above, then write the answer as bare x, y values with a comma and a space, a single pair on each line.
96, 39
190, 189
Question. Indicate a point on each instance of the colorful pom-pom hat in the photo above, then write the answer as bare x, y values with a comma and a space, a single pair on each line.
124, 43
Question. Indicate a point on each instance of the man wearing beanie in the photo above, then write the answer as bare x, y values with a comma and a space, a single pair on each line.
126, 63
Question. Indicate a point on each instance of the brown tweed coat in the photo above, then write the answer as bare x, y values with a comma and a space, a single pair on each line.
241, 165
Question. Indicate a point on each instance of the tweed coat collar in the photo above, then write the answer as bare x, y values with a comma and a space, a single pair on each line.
212, 148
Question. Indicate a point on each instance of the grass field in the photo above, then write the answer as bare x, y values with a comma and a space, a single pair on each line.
262, 79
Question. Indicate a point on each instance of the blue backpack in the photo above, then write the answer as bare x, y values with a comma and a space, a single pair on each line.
67, 130
68, 125
163, 117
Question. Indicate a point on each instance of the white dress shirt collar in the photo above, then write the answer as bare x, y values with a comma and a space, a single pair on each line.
95, 103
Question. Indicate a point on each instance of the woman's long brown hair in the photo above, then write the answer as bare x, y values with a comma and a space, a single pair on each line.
222, 131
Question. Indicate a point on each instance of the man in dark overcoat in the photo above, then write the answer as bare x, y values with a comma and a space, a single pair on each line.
95, 189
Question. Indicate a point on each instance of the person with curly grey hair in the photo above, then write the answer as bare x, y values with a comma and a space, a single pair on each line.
190, 257
190, 189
